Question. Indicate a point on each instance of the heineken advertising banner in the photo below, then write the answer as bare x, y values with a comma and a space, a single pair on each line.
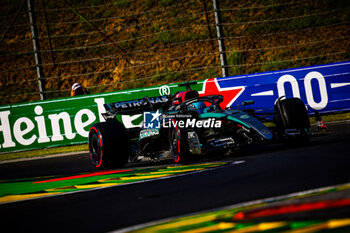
63, 121
66, 121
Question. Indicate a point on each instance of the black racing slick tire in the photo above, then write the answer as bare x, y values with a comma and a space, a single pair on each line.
109, 145
179, 144
292, 114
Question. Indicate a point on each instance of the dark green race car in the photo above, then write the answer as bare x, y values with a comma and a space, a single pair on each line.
186, 126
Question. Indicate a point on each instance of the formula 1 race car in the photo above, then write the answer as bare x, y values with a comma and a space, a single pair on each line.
186, 126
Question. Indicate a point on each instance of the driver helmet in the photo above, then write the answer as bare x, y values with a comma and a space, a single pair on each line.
197, 106
78, 89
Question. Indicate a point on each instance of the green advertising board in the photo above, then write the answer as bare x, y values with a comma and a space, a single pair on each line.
66, 121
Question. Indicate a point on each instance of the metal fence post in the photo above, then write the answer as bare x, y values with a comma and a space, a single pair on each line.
208, 23
37, 54
220, 37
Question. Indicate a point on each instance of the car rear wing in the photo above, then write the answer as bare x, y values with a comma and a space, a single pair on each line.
132, 107
139, 106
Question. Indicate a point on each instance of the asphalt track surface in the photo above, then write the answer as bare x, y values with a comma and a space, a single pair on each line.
266, 172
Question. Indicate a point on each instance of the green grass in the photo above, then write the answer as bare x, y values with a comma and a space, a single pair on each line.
326, 118
234, 59
43, 152
165, 3
333, 117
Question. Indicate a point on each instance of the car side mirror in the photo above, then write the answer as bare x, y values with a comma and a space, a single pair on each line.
247, 102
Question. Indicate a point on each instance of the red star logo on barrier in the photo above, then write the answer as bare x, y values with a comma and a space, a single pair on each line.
230, 94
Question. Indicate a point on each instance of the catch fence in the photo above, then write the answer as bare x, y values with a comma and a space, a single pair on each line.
124, 44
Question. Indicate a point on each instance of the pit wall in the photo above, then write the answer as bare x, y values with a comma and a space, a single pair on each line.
66, 121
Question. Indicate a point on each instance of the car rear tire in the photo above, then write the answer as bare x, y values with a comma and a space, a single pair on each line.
109, 145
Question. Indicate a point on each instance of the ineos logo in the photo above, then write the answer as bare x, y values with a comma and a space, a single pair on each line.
164, 90
264, 131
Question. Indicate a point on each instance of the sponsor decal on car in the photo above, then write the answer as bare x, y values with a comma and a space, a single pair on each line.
138, 103
148, 133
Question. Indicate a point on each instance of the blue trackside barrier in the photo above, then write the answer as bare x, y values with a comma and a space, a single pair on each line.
323, 88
